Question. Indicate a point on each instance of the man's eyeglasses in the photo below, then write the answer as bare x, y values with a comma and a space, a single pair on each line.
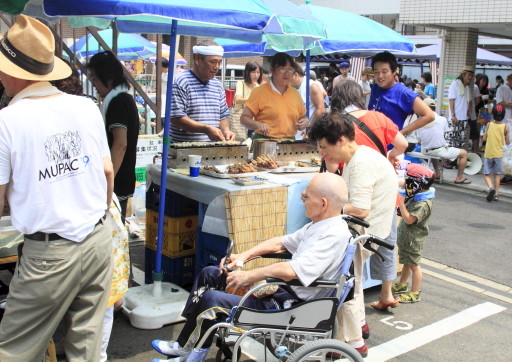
284, 71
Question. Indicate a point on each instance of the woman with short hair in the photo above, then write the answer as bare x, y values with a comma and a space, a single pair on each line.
275, 109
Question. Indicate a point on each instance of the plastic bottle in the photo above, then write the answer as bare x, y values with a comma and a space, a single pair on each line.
139, 206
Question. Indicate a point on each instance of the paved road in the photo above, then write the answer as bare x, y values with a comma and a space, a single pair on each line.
465, 312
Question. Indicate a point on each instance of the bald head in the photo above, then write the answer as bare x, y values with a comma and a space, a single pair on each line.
325, 196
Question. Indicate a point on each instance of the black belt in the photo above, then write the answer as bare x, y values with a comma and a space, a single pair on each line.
433, 149
40, 236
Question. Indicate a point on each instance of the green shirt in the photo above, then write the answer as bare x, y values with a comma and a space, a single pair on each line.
414, 233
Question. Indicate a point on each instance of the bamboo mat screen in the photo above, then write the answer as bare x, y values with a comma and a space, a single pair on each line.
255, 216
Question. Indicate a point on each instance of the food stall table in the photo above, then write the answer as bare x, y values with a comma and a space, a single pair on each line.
245, 214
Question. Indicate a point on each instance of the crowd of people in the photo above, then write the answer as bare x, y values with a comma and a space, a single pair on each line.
63, 160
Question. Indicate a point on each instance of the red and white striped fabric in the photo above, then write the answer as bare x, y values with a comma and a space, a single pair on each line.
356, 67
433, 71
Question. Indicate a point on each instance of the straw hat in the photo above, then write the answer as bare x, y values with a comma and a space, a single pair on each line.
27, 52
469, 69
430, 102
367, 71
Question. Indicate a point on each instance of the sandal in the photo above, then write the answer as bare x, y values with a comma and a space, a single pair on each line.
399, 288
464, 181
384, 306
410, 297
496, 198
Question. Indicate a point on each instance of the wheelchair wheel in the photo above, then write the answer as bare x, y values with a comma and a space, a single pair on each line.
293, 342
325, 350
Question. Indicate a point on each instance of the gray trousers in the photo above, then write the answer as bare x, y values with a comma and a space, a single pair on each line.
57, 280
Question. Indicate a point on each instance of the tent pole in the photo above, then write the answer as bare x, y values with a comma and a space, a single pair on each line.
157, 274
308, 67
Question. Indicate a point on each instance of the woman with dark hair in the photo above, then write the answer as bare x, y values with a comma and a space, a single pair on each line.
481, 101
275, 109
348, 98
121, 120
252, 79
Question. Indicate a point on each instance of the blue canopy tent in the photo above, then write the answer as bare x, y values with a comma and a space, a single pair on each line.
347, 33
129, 46
432, 52
285, 26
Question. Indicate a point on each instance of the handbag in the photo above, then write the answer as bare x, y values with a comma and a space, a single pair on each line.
236, 127
484, 115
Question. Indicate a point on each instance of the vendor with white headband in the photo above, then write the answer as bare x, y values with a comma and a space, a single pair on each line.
199, 112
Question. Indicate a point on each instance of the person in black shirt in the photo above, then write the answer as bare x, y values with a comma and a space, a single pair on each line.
121, 120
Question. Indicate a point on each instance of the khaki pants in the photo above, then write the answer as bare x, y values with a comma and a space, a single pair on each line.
352, 312
55, 280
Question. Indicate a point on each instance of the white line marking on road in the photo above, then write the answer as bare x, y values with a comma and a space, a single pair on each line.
472, 277
138, 276
427, 334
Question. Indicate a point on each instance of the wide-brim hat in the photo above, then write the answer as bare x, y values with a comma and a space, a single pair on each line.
27, 51
367, 71
469, 69
430, 102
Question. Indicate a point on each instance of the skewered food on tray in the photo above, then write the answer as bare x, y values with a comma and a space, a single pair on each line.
302, 164
265, 161
316, 160
212, 169
241, 168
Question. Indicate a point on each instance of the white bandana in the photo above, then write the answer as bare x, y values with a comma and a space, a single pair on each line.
111, 95
208, 50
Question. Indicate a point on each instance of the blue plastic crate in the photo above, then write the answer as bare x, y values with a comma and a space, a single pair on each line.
184, 280
201, 213
215, 243
179, 271
205, 257
176, 205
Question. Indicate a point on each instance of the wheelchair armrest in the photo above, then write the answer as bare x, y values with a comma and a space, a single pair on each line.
297, 283
285, 255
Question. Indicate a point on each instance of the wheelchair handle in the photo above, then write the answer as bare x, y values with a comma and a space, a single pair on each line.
369, 238
355, 220
381, 242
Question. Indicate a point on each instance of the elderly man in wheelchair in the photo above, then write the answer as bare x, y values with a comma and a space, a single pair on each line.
315, 252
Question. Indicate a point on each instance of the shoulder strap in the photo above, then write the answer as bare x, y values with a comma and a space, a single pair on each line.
363, 127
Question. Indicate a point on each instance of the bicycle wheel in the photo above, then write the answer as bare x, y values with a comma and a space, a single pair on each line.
325, 350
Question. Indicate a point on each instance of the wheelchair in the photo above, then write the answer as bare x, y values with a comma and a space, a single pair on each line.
303, 332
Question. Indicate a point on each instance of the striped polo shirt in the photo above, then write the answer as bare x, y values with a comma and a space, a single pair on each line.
203, 102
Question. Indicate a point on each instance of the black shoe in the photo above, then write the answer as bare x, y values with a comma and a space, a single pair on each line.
490, 194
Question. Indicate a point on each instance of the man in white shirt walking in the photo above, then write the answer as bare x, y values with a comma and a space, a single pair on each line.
504, 97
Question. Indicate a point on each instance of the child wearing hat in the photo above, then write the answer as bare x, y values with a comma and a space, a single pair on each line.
344, 70
497, 134
415, 208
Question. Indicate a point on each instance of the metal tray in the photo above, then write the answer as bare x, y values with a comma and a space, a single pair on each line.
292, 168
249, 181
223, 168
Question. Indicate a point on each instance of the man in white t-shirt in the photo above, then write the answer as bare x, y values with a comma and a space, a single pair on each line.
461, 100
56, 172
433, 143
504, 97
317, 252
372, 188
316, 93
